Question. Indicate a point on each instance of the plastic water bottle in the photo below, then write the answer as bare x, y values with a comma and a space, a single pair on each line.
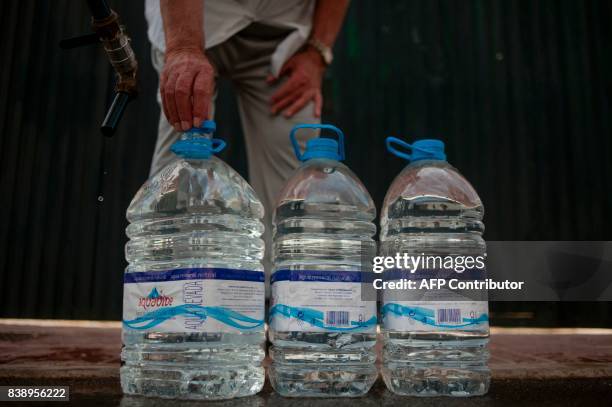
435, 341
323, 332
194, 296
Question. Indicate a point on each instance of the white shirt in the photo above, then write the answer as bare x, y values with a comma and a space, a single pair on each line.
224, 18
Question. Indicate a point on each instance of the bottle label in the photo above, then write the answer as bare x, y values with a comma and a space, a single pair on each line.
435, 308
194, 300
321, 301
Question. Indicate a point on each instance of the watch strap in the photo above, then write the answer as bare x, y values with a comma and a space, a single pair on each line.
324, 50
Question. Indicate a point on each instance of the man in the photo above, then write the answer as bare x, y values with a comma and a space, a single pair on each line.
275, 52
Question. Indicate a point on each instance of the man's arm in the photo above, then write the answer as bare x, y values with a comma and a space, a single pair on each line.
327, 21
187, 80
305, 69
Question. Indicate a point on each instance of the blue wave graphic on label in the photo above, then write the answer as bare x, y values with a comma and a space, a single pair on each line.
224, 315
198, 299
316, 318
428, 316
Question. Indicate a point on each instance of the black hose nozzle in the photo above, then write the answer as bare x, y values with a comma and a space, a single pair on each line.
113, 116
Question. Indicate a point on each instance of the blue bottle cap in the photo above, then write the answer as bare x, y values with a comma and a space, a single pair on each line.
427, 149
319, 147
194, 145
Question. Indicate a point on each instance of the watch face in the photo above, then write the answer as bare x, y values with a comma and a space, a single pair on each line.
326, 52
328, 57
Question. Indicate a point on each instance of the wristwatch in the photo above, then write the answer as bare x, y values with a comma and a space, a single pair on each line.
324, 50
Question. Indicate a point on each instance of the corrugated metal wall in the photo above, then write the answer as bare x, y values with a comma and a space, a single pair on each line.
519, 90
63, 201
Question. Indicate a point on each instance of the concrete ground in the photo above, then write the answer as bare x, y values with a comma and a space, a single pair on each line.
529, 367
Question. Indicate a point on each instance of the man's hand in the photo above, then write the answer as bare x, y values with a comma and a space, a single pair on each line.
186, 85
305, 73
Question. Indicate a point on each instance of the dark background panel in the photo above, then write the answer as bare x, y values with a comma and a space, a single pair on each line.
520, 92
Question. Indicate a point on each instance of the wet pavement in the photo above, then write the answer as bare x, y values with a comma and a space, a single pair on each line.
529, 367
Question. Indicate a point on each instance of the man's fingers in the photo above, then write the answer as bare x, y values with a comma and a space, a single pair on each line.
304, 73
170, 102
286, 68
318, 103
286, 101
202, 93
290, 86
182, 95
186, 87
298, 104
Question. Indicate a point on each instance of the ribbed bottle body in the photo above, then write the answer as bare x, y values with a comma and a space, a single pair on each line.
194, 296
436, 341
322, 328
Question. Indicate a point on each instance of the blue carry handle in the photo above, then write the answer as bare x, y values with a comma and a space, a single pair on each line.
315, 144
218, 145
430, 149
197, 147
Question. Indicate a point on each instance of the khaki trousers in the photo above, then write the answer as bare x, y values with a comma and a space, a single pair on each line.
245, 60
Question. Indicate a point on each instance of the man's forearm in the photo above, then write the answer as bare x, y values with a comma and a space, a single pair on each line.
183, 24
187, 80
327, 21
